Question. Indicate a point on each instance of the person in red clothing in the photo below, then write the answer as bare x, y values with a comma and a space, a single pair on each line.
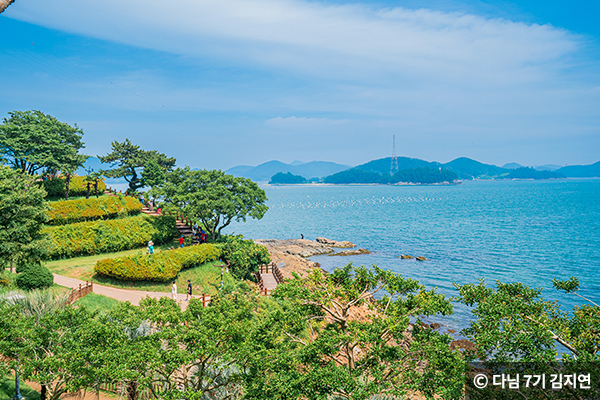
181, 240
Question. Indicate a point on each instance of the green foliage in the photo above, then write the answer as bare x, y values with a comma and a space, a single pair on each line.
31, 141
71, 211
22, 213
423, 175
95, 237
413, 175
127, 159
514, 325
356, 175
289, 178
36, 276
160, 266
165, 227
243, 256
531, 173
214, 198
327, 336
55, 187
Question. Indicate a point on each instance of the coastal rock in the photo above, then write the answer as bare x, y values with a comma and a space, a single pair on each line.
297, 247
421, 258
334, 243
351, 252
405, 256
290, 255
435, 325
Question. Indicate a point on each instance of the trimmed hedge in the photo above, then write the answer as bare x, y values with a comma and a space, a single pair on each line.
77, 187
71, 211
93, 237
162, 266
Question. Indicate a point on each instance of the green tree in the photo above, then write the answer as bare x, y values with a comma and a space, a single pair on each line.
128, 160
214, 198
31, 141
514, 325
22, 213
331, 339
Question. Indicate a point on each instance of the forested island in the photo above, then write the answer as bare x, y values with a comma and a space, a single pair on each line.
422, 175
286, 179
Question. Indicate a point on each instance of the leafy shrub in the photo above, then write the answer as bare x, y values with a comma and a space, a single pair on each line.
77, 187
35, 276
243, 256
71, 211
55, 187
161, 266
106, 236
166, 228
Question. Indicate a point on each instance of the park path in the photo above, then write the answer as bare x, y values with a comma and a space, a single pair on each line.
133, 296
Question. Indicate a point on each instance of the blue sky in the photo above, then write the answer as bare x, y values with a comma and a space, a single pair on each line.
223, 83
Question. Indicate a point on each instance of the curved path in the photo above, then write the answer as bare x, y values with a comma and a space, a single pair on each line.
133, 296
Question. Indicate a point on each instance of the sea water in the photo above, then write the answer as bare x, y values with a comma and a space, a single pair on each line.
512, 231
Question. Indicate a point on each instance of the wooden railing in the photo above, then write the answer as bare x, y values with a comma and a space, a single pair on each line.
278, 275
79, 292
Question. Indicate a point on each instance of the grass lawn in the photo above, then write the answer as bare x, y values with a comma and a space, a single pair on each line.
97, 302
7, 389
205, 278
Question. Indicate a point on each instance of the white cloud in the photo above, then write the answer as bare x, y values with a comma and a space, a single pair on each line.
344, 41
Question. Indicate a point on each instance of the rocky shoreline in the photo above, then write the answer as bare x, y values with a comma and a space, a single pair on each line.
291, 254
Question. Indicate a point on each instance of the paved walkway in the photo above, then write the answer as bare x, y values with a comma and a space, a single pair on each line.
133, 296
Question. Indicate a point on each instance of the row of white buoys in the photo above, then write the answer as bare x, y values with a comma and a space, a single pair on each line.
407, 257
353, 202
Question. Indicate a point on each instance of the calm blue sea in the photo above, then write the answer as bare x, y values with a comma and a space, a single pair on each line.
512, 231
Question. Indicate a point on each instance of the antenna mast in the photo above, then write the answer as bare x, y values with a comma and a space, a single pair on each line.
394, 166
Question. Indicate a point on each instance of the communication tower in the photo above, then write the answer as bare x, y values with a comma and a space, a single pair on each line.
394, 166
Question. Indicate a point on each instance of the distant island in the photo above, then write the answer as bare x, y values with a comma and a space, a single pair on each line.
410, 170
531, 173
286, 179
422, 175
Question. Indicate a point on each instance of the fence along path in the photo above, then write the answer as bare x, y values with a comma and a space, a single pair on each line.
269, 276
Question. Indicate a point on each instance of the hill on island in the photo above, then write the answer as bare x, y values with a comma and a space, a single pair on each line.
464, 168
581, 171
264, 171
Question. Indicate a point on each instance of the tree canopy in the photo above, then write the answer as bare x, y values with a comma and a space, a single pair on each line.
22, 213
214, 198
34, 142
129, 161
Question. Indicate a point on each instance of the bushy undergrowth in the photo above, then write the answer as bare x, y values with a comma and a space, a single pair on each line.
93, 237
243, 256
161, 266
106, 207
55, 187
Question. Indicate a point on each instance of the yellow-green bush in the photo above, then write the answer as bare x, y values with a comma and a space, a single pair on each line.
77, 187
93, 237
106, 207
161, 266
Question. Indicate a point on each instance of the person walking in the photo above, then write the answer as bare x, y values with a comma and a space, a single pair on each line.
188, 295
174, 291
151, 247
181, 240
